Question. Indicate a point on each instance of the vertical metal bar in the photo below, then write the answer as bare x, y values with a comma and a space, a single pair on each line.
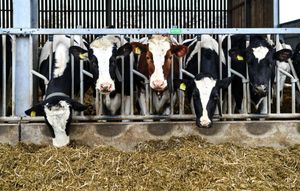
131, 85
199, 53
181, 94
72, 68
50, 38
214, 14
171, 87
277, 80
220, 67
275, 13
14, 61
69, 14
229, 74
2, 15
293, 96
123, 87
162, 15
4, 63
248, 84
63, 13
217, 13
81, 76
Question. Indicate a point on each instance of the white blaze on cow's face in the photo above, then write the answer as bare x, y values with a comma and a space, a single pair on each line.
159, 47
103, 51
205, 86
260, 52
61, 60
58, 116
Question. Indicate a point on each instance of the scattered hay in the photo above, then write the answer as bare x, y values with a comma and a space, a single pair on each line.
179, 164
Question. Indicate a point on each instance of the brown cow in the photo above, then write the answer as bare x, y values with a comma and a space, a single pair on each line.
156, 58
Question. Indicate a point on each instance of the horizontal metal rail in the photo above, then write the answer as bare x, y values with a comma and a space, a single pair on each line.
16, 119
138, 31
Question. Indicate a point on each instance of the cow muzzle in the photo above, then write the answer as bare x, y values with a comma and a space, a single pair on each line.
106, 88
158, 85
203, 123
261, 90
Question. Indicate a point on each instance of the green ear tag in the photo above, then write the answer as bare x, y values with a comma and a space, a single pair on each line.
32, 114
239, 58
182, 87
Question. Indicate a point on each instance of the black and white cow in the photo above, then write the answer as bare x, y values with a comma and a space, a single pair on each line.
261, 59
203, 90
104, 55
57, 106
45, 56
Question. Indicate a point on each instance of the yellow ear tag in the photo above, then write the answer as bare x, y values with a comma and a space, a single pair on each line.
137, 50
239, 58
182, 87
32, 114
82, 56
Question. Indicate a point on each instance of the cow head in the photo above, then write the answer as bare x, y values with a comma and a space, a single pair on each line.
204, 90
57, 112
104, 55
156, 59
261, 59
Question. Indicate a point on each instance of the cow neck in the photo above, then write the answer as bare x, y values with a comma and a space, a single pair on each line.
56, 94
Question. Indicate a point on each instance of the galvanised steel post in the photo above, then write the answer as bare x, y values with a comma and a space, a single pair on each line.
275, 13
24, 16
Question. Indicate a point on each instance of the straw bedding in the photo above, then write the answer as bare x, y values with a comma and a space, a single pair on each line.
178, 164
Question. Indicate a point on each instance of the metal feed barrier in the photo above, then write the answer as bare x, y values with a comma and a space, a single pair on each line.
31, 33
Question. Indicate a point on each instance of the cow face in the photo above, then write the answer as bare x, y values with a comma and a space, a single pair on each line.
261, 59
104, 55
204, 90
57, 112
156, 59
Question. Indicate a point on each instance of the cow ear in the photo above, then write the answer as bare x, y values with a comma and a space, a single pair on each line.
224, 83
236, 55
124, 50
78, 106
36, 110
79, 53
283, 55
138, 47
179, 50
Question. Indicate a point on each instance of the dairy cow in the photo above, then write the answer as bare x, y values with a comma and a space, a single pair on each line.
104, 56
156, 58
203, 90
57, 105
260, 57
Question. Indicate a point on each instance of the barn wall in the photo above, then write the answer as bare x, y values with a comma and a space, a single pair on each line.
250, 13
